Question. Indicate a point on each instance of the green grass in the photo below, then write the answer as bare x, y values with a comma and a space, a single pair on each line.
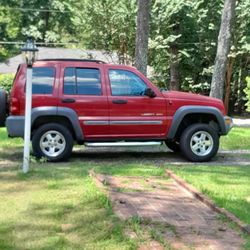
7, 143
238, 138
57, 206
229, 187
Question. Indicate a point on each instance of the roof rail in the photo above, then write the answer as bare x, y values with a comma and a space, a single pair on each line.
72, 59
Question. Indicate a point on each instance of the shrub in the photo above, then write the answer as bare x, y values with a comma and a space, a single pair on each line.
6, 81
247, 91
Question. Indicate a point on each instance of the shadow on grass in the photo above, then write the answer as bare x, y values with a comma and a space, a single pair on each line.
60, 208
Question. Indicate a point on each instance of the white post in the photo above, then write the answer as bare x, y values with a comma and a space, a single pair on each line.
27, 126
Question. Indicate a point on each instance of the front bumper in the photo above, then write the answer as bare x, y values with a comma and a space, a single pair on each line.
15, 126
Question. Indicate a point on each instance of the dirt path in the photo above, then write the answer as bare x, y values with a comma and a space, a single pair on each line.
159, 155
182, 220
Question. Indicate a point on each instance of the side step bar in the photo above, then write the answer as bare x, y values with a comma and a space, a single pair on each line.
122, 144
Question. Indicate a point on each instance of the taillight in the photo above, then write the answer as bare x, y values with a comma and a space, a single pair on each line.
14, 106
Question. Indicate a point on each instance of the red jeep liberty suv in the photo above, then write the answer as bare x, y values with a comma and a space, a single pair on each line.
97, 104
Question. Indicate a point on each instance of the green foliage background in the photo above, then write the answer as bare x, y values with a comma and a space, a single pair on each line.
247, 91
191, 25
6, 81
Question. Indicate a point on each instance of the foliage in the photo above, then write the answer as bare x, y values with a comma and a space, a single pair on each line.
195, 39
109, 25
19, 19
247, 91
192, 27
6, 81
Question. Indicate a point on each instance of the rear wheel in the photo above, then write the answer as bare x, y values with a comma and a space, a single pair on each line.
52, 141
199, 142
3, 107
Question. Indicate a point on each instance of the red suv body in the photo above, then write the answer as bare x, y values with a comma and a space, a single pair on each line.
97, 103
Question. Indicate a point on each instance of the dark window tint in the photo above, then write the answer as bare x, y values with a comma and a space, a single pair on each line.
69, 81
81, 81
126, 83
43, 80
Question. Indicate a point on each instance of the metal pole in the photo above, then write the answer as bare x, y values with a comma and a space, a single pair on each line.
27, 126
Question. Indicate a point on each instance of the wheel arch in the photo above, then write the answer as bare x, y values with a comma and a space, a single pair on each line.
188, 115
65, 116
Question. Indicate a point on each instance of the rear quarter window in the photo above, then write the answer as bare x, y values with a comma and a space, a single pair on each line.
43, 80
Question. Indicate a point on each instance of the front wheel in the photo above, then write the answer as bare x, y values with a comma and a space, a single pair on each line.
52, 141
199, 142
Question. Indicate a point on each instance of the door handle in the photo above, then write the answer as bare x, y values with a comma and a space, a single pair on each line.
68, 100
120, 101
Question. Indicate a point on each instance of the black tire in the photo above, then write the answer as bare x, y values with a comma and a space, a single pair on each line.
173, 145
65, 141
201, 149
3, 107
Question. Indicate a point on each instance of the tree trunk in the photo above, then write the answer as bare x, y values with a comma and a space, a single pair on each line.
46, 24
174, 68
142, 33
228, 82
217, 85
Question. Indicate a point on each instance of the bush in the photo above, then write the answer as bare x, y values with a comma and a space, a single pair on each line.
247, 91
6, 81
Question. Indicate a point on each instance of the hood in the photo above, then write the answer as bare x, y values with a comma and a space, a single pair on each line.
185, 98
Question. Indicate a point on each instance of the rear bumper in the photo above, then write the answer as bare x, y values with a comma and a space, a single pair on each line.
228, 124
15, 126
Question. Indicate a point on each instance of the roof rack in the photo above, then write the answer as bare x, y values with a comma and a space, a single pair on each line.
72, 59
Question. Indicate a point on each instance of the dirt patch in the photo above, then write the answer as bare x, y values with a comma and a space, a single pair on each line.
158, 155
174, 214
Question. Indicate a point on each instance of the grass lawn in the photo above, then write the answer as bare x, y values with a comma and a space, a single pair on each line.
238, 138
57, 206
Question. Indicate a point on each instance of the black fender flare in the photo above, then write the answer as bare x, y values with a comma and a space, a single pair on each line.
59, 111
191, 109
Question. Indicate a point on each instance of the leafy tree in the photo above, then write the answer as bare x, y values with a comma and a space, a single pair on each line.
108, 25
6, 81
247, 91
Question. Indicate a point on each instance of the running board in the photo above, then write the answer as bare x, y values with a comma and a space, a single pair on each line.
122, 144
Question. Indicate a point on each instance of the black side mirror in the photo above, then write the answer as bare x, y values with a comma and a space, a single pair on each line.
150, 93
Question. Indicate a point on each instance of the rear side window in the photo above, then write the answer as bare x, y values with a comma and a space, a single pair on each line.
43, 80
82, 81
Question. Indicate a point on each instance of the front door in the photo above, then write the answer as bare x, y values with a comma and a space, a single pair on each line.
133, 115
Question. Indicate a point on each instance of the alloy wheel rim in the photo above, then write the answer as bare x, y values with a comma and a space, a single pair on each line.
201, 143
52, 143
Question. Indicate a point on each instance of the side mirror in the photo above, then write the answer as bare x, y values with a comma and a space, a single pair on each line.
150, 93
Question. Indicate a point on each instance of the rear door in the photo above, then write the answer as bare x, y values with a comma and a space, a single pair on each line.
83, 90
132, 114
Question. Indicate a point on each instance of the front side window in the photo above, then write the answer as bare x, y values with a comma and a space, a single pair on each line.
43, 80
82, 81
126, 83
